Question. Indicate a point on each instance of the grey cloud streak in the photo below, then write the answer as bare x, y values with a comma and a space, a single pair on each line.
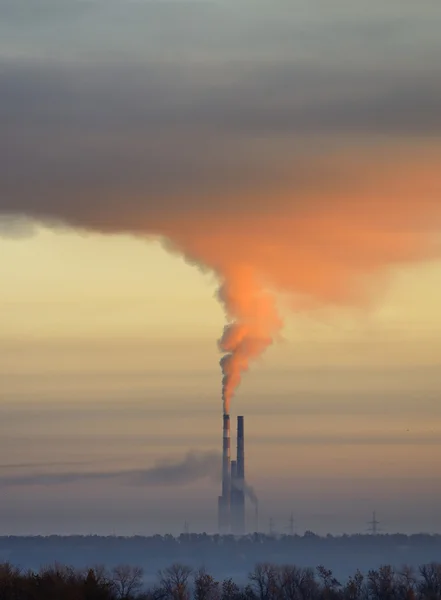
244, 97
229, 155
193, 467
166, 121
160, 137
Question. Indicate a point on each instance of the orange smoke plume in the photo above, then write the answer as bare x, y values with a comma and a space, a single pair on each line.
253, 321
279, 166
319, 241
318, 248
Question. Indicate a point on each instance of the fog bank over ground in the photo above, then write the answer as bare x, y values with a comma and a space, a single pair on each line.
226, 557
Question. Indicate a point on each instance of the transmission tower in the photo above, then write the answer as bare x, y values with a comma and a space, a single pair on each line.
373, 525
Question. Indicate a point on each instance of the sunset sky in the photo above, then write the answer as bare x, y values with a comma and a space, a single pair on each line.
153, 151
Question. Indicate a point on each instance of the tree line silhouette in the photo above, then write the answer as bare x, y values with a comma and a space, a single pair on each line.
266, 581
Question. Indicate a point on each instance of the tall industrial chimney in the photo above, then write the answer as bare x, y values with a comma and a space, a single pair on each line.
233, 474
240, 475
224, 502
240, 449
237, 502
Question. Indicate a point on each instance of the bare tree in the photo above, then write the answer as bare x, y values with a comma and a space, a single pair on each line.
205, 586
9, 580
430, 585
296, 583
230, 590
174, 582
329, 583
406, 584
264, 581
355, 588
381, 583
126, 581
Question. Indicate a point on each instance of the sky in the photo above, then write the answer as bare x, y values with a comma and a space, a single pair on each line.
168, 167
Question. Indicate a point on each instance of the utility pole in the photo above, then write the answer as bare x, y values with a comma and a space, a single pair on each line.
373, 525
186, 528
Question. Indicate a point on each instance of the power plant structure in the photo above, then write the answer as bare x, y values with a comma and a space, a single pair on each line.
231, 504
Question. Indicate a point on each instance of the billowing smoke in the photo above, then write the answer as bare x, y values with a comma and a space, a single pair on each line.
274, 172
193, 467
253, 321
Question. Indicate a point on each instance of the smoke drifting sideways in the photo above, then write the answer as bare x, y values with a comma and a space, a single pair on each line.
328, 246
320, 248
308, 191
193, 467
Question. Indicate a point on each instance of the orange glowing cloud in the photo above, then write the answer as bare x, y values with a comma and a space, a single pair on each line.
329, 178
319, 248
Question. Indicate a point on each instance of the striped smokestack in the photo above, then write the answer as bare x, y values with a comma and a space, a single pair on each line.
226, 483
225, 498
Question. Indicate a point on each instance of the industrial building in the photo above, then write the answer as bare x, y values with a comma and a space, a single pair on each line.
231, 503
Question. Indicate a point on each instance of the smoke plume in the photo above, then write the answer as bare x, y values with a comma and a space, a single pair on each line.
276, 164
248, 490
193, 467
253, 321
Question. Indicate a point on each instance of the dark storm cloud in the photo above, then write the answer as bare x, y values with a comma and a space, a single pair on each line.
193, 467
